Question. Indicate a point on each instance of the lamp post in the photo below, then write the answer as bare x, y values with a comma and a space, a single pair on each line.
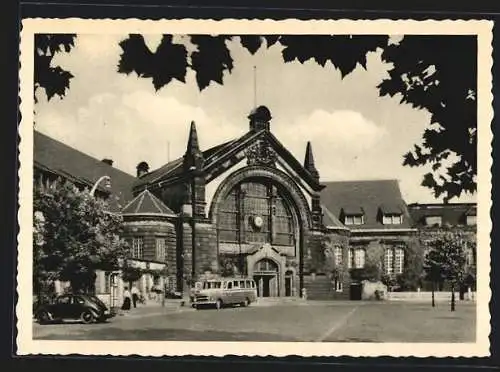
103, 178
192, 169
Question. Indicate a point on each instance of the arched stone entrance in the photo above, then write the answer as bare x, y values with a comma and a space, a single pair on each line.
260, 213
266, 267
266, 275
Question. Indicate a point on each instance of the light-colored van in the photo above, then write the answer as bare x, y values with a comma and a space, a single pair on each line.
224, 291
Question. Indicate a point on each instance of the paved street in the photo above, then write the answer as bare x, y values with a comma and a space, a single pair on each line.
314, 321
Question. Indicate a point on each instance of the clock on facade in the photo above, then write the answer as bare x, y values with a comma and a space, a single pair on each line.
258, 221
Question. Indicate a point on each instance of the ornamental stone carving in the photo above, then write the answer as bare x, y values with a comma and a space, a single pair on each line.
261, 153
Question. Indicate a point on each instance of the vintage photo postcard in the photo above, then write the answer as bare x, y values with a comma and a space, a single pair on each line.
254, 187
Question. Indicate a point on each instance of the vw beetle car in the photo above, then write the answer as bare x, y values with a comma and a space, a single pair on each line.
86, 308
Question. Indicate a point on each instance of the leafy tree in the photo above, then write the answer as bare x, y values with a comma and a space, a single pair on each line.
446, 259
424, 74
436, 73
79, 237
53, 79
412, 275
130, 274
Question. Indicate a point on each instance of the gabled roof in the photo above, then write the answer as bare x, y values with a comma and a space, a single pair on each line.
146, 204
217, 155
330, 221
453, 214
174, 168
369, 196
53, 156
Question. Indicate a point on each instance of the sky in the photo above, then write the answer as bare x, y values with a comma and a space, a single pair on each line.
355, 134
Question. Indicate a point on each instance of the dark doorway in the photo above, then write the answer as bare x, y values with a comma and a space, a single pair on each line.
266, 285
288, 283
355, 292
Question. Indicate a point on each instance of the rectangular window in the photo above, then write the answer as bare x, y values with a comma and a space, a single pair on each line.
471, 220
338, 285
359, 258
137, 249
433, 220
392, 219
160, 249
354, 220
399, 260
338, 256
107, 282
389, 261
350, 258
469, 256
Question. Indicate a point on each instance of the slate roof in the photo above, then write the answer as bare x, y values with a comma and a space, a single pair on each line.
174, 167
146, 204
453, 214
53, 156
368, 196
330, 221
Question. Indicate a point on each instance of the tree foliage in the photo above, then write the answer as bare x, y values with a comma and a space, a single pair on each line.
53, 79
435, 73
78, 237
446, 258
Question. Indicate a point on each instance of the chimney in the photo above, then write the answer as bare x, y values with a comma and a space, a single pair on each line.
108, 162
142, 169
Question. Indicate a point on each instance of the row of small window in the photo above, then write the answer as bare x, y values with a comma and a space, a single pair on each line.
438, 220
393, 259
137, 248
387, 219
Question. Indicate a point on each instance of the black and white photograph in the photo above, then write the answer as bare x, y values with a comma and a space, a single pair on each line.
255, 187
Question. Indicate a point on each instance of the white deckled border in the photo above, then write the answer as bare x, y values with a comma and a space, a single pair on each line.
26, 345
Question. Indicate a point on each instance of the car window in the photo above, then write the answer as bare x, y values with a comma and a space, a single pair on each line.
64, 300
78, 300
235, 284
229, 285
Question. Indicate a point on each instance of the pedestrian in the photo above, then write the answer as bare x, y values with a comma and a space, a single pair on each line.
126, 299
135, 295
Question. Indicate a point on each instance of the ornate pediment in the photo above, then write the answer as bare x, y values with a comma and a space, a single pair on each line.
261, 153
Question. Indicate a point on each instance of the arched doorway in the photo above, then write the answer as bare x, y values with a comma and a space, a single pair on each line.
266, 276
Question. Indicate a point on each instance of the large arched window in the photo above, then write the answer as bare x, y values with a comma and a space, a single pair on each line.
255, 212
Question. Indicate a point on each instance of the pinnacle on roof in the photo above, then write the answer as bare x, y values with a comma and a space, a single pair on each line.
193, 156
309, 162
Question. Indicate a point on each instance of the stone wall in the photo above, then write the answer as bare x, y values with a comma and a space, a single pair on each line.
205, 248
149, 231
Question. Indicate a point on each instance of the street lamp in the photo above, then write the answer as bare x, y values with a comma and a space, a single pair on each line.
192, 169
103, 178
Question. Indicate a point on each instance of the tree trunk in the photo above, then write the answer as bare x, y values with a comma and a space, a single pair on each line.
433, 289
452, 297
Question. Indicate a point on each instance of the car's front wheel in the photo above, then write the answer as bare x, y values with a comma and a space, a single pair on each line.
87, 317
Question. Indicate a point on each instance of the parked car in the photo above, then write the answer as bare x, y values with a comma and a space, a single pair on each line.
86, 308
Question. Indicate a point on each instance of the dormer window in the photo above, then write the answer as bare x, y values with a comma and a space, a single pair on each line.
433, 220
354, 219
392, 219
352, 216
470, 220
